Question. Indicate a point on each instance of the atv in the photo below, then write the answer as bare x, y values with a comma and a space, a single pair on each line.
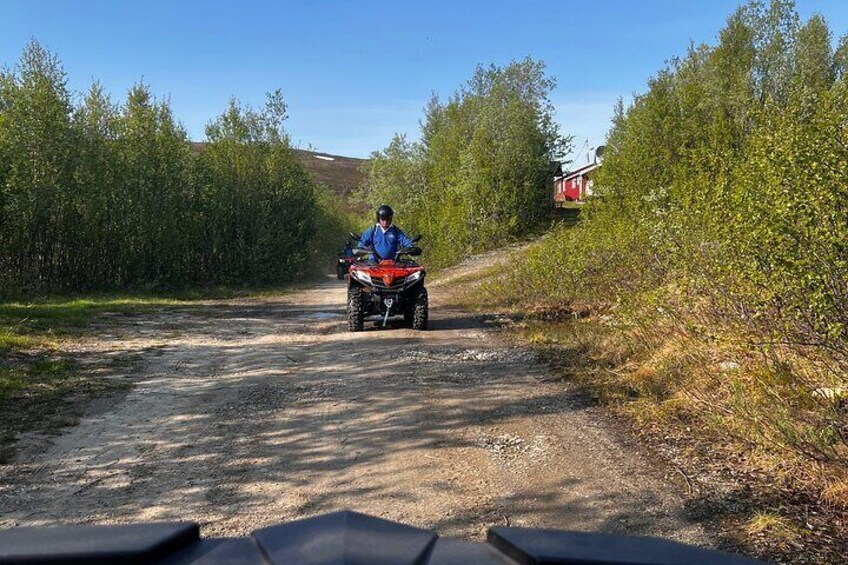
388, 287
343, 264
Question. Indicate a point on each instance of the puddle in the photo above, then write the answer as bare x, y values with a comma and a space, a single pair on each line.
320, 316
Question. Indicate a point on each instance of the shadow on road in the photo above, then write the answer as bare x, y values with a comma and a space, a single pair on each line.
259, 414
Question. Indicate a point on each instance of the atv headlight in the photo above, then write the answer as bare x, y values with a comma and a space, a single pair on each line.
413, 277
363, 276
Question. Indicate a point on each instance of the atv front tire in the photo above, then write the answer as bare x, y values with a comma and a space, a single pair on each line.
420, 310
355, 309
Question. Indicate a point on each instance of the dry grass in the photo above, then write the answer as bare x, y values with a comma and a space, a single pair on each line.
749, 415
836, 494
778, 529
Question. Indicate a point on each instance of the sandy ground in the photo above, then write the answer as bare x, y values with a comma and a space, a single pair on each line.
252, 412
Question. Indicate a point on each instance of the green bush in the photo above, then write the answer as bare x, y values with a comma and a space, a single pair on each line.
103, 196
720, 215
481, 173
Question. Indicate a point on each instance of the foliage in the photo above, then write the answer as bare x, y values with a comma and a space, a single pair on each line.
720, 219
481, 173
98, 195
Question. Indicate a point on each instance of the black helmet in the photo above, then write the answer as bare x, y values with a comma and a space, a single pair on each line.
385, 212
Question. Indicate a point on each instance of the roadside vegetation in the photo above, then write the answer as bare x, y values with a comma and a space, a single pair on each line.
705, 290
39, 380
109, 207
481, 173
98, 195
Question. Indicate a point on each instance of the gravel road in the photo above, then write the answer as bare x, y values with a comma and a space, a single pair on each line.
251, 412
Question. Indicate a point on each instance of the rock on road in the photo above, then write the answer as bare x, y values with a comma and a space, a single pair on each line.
251, 412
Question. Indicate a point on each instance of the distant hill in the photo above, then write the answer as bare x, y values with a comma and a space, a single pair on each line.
340, 174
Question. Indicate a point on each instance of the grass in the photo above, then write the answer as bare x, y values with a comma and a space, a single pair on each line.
26, 378
683, 392
778, 529
35, 393
460, 291
458, 286
36, 329
58, 315
569, 205
35, 375
25, 325
10, 340
12, 381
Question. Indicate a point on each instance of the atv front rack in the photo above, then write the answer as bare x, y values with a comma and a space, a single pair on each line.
339, 538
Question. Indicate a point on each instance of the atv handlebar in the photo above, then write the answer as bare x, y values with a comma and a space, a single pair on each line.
363, 251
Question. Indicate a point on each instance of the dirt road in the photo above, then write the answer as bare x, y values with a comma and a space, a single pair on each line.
251, 412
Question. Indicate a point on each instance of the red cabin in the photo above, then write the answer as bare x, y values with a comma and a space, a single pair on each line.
574, 186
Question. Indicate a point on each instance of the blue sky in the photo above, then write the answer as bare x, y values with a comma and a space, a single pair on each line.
354, 73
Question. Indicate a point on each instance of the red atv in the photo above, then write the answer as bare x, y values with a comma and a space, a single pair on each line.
343, 264
388, 287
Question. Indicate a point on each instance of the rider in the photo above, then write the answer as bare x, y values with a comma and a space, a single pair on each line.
383, 237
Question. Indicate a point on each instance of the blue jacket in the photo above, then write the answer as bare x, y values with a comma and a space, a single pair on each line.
385, 244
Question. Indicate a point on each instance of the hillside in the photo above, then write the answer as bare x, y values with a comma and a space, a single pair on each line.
341, 174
